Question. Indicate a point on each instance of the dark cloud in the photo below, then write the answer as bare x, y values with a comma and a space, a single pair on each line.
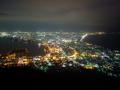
3, 14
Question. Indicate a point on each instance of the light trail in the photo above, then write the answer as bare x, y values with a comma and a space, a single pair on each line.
83, 37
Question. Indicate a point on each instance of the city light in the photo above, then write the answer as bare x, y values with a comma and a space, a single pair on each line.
64, 51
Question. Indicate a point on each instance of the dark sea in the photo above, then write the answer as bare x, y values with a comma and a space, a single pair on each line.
108, 41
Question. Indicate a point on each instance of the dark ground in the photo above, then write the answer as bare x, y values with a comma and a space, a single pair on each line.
74, 79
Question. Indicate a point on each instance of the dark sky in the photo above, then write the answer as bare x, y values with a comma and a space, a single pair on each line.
55, 15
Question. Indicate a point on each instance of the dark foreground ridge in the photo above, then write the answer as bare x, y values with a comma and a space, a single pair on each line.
83, 79
29, 72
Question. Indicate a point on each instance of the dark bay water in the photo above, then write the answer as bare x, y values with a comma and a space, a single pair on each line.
110, 41
9, 44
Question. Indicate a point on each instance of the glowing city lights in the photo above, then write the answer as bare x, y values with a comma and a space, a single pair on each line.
60, 50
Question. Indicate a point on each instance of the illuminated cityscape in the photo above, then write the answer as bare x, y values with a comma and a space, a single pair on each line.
60, 43
59, 51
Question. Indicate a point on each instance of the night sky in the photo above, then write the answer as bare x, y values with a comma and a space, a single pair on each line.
60, 15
